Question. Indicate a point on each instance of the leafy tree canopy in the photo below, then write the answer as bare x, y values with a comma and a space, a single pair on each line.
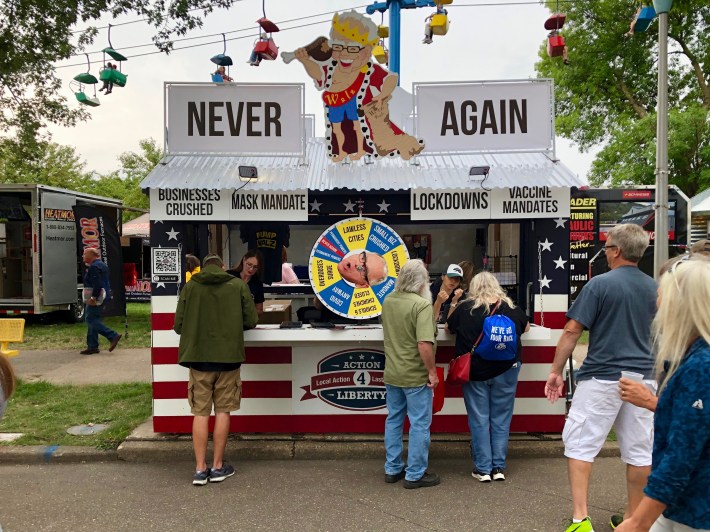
607, 93
60, 166
34, 34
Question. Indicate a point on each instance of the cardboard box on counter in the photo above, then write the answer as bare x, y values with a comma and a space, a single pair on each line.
276, 311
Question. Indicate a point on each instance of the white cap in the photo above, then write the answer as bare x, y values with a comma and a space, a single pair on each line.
454, 271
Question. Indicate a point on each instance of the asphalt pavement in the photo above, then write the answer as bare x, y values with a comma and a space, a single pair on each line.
300, 495
286, 482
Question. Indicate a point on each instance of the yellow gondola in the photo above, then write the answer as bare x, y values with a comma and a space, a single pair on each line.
380, 54
439, 24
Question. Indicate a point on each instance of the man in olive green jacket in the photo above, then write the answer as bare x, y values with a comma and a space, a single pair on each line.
213, 312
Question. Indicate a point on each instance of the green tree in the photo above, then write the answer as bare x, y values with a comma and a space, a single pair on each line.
606, 95
45, 163
125, 182
34, 34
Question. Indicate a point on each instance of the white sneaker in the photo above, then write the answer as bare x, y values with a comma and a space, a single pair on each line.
498, 474
427, 40
481, 477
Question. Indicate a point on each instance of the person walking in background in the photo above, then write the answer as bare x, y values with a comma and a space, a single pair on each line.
677, 496
410, 375
213, 312
617, 307
249, 271
446, 292
97, 291
192, 266
7, 383
490, 394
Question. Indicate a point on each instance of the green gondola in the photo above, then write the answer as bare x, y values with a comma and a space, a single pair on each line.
114, 76
87, 100
86, 79
113, 53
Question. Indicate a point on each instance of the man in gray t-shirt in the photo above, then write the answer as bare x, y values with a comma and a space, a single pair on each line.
617, 308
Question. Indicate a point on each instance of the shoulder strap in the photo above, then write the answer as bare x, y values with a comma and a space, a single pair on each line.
478, 340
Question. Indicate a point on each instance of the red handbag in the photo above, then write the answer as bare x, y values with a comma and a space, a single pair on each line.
439, 391
460, 367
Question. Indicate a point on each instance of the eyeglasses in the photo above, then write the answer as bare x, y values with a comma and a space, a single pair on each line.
251, 265
354, 49
610, 247
363, 267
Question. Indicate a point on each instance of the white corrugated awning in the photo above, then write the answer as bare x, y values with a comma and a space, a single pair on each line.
701, 203
316, 172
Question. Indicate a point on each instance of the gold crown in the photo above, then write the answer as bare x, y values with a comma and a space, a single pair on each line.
352, 33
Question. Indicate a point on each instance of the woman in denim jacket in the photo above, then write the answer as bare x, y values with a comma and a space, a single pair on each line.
677, 496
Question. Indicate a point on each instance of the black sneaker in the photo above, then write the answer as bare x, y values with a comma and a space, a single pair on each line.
391, 479
218, 475
497, 473
427, 481
480, 476
615, 521
201, 477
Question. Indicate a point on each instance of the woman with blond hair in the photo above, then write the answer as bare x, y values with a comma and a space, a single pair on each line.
490, 394
677, 494
7, 382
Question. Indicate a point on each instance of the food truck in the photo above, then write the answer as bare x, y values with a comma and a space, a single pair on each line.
596, 210
40, 258
484, 187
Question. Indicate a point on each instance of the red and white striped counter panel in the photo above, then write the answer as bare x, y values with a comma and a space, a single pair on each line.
330, 381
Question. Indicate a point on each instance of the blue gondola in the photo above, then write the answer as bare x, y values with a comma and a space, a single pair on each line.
644, 19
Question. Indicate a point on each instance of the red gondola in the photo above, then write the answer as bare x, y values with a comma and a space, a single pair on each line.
555, 45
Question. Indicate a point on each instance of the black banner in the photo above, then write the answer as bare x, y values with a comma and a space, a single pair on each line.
96, 229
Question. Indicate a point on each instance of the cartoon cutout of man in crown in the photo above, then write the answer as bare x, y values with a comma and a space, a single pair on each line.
356, 91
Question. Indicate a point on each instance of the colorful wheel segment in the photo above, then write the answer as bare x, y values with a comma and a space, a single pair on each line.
354, 265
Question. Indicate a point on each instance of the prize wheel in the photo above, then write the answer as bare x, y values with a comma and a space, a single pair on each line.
354, 265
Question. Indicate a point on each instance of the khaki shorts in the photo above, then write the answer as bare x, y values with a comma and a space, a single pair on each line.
596, 407
221, 388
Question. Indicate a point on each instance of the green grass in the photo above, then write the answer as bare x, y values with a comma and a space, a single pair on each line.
584, 339
49, 332
43, 412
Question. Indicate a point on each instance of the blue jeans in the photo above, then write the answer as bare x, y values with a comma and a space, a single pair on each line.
489, 405
416, 403
94, 327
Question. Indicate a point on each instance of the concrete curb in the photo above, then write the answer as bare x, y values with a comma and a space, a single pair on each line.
53, 454
319, 449
144, 446
283, 447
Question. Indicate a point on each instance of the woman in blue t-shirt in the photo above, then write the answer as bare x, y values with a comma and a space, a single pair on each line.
490, 394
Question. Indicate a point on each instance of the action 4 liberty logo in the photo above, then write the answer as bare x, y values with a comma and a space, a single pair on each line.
351, 380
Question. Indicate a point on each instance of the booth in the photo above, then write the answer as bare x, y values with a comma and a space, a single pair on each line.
135, 245
505, 212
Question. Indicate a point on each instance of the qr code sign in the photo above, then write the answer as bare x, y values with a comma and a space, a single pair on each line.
166, 265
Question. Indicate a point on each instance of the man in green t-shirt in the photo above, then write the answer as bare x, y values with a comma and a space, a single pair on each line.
410, 375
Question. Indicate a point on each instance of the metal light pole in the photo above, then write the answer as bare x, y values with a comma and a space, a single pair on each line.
660, 248
395, 7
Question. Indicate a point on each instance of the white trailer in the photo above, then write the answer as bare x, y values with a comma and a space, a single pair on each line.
40, 263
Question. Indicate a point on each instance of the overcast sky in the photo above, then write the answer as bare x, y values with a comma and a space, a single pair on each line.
494, 42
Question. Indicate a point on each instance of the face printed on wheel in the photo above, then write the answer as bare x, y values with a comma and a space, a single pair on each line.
363, 268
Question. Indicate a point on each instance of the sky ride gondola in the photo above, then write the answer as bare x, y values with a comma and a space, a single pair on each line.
77, 85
